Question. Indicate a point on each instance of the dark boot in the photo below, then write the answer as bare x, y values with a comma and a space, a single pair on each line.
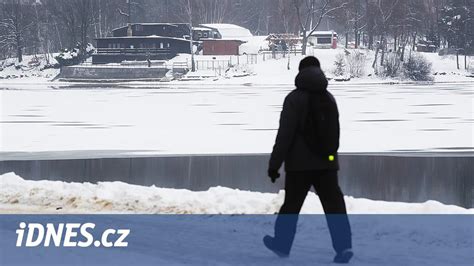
274, 246
344, 256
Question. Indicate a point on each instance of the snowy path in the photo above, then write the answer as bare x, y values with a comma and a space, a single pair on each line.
230, 119
236, 240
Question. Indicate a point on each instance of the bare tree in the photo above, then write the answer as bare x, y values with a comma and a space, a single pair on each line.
410, 19
359, 25
286, 16
85, 19
14, 27
76, 17
188, 11
66, 21
370, 18
212, 11
310, 13
352, 18
386, 9
57, 24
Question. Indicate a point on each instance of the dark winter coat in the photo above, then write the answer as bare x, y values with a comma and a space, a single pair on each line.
290, 145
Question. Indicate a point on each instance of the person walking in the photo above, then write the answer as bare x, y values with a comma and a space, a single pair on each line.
307, 142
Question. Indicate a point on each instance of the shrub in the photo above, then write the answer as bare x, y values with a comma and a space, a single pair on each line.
392, 66
74, 56
417, 68
352, 63
68, 58
356, 63
340, 64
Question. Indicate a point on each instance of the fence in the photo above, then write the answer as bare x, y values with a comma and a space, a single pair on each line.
145, 51
249, 59
125, 64
268, 55
180, 65
222, 64
212, 64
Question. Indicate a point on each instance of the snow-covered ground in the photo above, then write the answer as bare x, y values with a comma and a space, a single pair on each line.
22, 196
212, 117
237, 240
232, 239
276, 72
31, 70
220, 119
268, 72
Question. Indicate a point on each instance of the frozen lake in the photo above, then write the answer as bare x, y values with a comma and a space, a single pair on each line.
109, 119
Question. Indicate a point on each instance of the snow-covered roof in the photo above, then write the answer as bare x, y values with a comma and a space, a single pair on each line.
229, 31
323, 32
201, 28
159, 23
151, 24
142, 37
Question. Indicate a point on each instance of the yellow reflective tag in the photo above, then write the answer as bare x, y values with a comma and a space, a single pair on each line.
331, 158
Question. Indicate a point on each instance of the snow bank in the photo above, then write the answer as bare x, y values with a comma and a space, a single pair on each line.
254, 45
282, 71
33, 68
19, 195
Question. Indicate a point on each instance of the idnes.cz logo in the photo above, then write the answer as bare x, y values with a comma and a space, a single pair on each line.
68, 235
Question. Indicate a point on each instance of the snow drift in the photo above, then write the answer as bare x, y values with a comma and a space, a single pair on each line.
22, 196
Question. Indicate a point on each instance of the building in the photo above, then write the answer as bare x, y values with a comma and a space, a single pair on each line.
323, 39
143, 42
221, 39
426, 46
201, 33
283, 41
221, 47
228, 31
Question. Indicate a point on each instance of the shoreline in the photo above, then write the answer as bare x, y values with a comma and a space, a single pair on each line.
136, 84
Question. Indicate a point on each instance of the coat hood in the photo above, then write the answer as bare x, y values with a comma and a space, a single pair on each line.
311, 79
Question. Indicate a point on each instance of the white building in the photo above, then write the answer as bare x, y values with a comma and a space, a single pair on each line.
322, 39
229, 31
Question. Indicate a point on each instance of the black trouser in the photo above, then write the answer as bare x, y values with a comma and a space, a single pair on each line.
297, 185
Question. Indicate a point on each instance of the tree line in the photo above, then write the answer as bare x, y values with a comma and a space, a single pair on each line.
47, 26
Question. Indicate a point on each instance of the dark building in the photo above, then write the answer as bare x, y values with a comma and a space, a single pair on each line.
221, 47
142, 42
221, 39
426, 46
202, 33
176, 30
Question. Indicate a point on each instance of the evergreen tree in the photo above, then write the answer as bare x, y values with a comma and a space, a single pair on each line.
457, 24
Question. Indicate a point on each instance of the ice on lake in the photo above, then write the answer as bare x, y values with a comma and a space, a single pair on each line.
227, 119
